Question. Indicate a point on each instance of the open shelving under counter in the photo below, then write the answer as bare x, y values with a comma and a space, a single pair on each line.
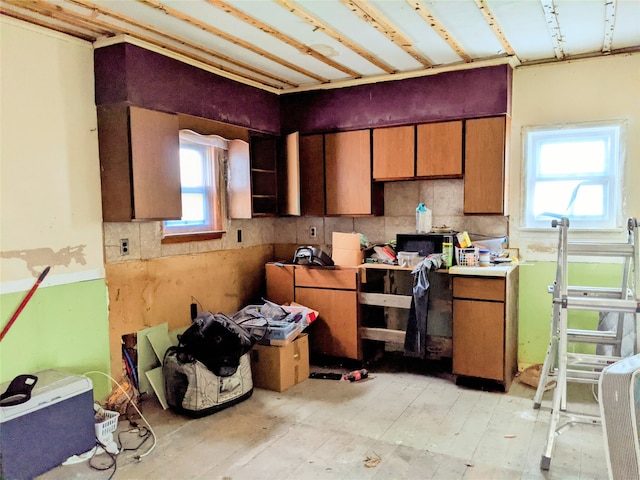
385, 294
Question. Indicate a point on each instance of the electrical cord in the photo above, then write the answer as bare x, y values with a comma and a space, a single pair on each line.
113, 456
141, 456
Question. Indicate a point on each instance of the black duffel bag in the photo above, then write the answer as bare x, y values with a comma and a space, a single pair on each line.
216, 341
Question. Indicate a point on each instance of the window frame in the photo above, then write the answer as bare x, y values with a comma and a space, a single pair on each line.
615, 132
214, 169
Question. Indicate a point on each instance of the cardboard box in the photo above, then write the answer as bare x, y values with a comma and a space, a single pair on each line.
345, 250
280, 368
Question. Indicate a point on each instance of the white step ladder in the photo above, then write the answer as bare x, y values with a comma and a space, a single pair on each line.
560, 366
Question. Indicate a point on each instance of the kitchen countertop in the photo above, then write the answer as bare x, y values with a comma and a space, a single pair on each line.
491, 271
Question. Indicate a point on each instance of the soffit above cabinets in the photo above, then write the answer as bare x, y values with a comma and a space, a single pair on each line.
293, 45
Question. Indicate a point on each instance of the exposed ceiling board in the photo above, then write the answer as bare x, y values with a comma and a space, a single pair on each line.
293, 45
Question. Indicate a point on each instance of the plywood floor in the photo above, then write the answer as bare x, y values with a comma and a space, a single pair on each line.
409, 423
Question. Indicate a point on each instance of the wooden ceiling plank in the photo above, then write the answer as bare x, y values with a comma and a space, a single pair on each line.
374, 18
439, 28
46, 9
609, 25
296, 9
230, 38
122, 18
51, 26
495, 26
551, 17
268, 29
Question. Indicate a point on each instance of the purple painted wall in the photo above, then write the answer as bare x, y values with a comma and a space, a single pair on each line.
472, 93
127, 73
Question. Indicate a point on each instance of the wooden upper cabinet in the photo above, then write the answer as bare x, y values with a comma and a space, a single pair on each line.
139, 164
394, 153
349, 187
439, 149
311, 156
485, 188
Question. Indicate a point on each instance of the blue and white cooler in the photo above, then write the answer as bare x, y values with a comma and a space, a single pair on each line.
56, 423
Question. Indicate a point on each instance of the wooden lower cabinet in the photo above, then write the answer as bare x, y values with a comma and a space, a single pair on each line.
478, 339
333, 293
335, 332
485, 320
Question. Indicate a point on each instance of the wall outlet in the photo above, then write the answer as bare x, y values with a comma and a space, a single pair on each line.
313, 232
124, 246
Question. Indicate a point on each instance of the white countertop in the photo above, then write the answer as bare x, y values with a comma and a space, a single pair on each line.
490, 271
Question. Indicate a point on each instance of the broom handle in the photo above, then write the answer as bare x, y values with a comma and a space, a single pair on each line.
24, 302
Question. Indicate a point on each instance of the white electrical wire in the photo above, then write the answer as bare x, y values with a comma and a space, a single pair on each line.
153, 434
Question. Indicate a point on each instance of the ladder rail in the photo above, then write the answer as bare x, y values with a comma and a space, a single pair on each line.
561, 366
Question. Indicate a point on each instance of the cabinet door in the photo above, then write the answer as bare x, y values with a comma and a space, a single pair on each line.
478, 339
139, 164
394, 153
335, 331
239, 180
279, 283
289, 194
439, 149
348, 173
312, 175
484, 171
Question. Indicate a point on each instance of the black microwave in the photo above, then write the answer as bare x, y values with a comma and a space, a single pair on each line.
423, 243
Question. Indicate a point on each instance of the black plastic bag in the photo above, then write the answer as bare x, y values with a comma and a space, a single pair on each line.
216, 341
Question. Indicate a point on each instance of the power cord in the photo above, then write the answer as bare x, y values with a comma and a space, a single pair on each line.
131, 402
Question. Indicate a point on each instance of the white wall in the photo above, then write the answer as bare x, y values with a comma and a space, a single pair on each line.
604, 88
49, 166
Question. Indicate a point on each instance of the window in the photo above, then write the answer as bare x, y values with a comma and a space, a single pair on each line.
573, 171
202, 160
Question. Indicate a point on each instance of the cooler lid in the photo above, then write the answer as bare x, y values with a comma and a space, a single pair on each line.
53, 386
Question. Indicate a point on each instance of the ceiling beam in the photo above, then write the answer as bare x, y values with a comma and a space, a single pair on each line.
495, 26
435, 24
296, 9
268, 29
99, 10
609, 24
374, 18
230, 38
551, 16
47, 24
57, 12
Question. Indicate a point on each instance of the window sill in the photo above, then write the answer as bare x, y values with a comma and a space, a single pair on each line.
191, 237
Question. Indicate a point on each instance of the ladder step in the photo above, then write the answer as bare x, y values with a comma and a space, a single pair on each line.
599, 337
575, 376
600, 249
601, 292
583, 376
588, 360
600, 304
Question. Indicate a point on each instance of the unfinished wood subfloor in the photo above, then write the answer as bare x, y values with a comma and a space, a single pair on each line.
396, 425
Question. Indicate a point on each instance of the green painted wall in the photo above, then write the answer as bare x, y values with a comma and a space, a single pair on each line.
535, 304
62, 327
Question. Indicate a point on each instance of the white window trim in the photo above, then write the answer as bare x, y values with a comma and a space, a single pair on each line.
195, 138
617, 201
541, 244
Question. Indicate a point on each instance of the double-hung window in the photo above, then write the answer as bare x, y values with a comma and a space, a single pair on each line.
202, 160
575, 172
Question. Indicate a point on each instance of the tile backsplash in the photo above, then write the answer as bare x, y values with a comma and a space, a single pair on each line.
443, 197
